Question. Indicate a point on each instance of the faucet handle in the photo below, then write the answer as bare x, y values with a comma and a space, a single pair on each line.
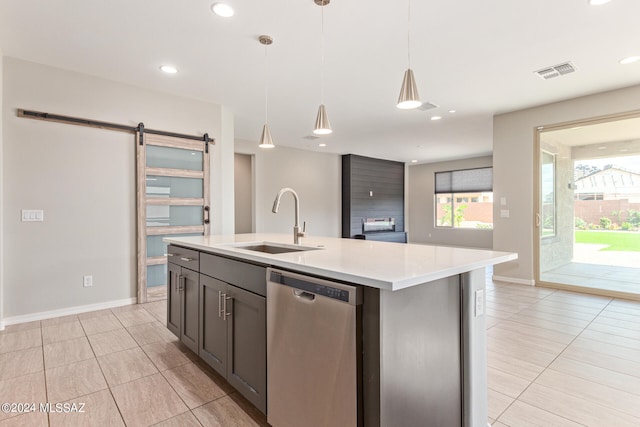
298, 232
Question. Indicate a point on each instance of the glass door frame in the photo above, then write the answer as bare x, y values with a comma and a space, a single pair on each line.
537, 199
142, 171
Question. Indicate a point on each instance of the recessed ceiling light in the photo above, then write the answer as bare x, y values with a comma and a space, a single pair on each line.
322, 145
598, 2
602, 147
435, 118
169, 69
222, 9
414, 161
629, 60
624, 150
452, 111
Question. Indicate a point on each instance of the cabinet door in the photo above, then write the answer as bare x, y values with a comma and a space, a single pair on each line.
247, 345
213, 326
173, 299
189, 318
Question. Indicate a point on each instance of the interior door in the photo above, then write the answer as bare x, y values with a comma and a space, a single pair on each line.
173, 192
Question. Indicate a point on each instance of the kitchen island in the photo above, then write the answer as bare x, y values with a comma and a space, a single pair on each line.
421, 338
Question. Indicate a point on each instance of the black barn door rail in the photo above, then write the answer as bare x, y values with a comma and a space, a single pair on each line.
38, 115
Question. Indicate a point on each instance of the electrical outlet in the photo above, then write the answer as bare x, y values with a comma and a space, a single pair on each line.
479, 302
87, 281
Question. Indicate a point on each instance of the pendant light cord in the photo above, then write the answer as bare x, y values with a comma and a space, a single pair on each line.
266, 86
322, 55
409, 33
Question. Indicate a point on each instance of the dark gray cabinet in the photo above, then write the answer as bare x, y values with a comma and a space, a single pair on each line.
182, 294
233, 332
182, 304
213, 329
173, 298
217, 307
247, 345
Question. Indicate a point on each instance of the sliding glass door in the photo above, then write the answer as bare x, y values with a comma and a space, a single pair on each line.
588, 207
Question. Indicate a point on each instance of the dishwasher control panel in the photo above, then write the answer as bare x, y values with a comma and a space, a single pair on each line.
312, 286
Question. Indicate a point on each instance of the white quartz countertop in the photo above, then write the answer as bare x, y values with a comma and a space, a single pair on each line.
389, 266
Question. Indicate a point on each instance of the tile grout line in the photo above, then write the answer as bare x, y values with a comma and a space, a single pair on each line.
510, 404
550, 363
44, 374
102, 371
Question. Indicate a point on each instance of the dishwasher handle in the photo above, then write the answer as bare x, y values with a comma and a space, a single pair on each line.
304, 295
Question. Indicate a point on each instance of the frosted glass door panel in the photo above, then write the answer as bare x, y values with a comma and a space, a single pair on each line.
173, 158
156, 247
156, 275
163, 216
166, 186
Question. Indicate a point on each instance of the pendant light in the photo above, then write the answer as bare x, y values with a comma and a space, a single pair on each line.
323, 127
409, 97
265, 139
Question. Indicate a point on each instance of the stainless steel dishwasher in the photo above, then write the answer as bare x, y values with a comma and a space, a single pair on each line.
312, 366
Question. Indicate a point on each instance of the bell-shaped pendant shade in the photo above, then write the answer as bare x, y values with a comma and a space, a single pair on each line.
265, 139
409, 97
323, 127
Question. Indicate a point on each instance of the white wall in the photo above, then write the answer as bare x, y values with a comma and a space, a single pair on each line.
84, 180
1, 197
421, 211
513, 154
316, 177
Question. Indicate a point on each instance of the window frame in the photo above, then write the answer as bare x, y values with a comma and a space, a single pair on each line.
449, 178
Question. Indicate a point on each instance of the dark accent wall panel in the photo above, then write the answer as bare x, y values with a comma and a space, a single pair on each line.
363, 175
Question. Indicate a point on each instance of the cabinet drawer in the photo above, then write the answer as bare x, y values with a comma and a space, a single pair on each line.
184, 257
247, 276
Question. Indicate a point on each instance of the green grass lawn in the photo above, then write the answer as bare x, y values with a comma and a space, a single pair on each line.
617, 240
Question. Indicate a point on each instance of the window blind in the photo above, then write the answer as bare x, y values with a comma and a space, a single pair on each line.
464, 181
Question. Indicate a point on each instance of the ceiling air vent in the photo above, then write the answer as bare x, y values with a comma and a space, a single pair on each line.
556, 71
311, 137
427, 106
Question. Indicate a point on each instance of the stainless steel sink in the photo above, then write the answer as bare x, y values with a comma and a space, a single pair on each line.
273, 248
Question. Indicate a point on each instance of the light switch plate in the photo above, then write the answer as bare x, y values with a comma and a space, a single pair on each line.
479, 302
87, 281
503, 201
32, 215
504, 213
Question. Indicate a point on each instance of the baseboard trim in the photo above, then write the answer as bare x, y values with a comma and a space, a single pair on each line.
23, 318
514, 280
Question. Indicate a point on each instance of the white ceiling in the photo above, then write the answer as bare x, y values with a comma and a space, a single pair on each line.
476, 57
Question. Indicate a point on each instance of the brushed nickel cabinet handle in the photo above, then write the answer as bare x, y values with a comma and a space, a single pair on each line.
186, 259
225, 308
220, 296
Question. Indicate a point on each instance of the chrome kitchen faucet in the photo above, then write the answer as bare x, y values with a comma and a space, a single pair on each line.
296, 227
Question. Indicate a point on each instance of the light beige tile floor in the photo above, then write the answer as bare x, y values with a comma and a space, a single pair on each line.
555, 358
122, 364
559, 358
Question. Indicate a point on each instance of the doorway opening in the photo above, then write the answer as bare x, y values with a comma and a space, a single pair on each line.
589, 207
243, 193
